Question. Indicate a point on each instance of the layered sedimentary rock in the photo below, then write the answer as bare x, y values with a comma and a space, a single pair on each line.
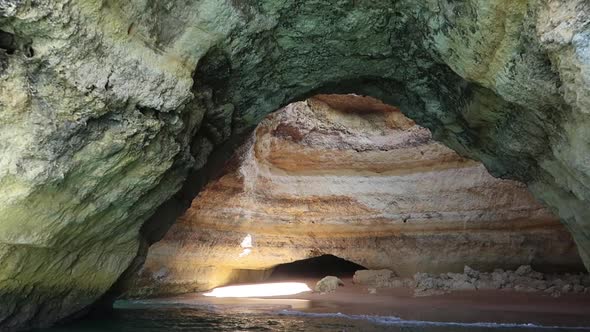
361, 182
105, 106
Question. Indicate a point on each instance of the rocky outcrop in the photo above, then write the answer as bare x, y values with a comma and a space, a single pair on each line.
105, 106
523, 279
373, 277
365, 184
328, 284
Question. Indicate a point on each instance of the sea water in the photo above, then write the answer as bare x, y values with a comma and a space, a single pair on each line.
149, 317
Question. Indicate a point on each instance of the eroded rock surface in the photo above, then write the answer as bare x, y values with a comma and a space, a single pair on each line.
100, 101
523, 279
365, 184
328, 284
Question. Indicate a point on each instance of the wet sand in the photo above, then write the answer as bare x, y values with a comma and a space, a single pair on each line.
460, 306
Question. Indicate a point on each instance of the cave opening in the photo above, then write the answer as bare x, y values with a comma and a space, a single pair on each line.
7, 42
352, 167
500, 82
315, 267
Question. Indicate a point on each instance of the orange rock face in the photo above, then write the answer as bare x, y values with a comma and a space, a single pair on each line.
351, 177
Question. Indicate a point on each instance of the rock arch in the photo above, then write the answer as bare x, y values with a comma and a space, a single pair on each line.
111, 98
350, 176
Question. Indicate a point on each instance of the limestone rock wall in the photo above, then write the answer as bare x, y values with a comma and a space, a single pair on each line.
95, 124
106, 106
351, 177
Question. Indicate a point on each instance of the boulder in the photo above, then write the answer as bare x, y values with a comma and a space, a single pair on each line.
461, 285
527, 271
377, 278
328, 284
524, 279
523, 270
471, 273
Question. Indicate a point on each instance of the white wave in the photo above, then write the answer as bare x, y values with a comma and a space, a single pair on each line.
392, 320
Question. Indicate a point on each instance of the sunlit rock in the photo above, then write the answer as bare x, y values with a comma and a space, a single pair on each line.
328, 284
361, 182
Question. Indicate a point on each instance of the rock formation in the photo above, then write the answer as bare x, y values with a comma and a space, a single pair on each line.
523, 279
107, 106
377, 278
328, 284
363, 183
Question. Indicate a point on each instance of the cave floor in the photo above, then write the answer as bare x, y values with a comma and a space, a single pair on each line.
492, 306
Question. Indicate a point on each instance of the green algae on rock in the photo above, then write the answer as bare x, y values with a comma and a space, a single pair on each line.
106, 106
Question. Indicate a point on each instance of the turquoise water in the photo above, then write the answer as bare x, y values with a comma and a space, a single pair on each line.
181, 318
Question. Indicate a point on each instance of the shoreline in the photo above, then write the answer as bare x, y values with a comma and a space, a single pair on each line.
462, 307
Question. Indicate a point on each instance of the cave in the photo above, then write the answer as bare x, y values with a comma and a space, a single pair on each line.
315, 267
315, 174
153, 148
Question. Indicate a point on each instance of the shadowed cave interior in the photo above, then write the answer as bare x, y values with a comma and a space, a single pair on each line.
316, 267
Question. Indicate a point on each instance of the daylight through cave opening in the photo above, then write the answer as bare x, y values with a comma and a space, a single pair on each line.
351, 176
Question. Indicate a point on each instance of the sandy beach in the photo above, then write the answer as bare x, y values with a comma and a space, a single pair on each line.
459, 306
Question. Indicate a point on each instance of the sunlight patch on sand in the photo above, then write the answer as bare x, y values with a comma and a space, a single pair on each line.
269, 289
